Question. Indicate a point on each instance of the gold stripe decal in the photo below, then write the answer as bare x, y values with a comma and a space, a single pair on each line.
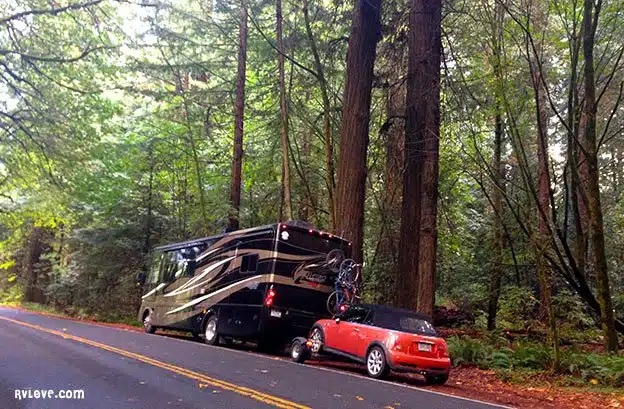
161, 285
241, 390
227, 290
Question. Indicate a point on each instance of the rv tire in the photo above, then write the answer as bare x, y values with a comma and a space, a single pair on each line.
147, 322
211, 335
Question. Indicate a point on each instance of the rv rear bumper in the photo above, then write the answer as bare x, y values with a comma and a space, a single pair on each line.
284, 325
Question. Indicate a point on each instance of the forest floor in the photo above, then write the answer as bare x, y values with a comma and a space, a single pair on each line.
535, 390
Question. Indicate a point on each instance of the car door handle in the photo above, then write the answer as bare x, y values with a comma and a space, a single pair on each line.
356, 329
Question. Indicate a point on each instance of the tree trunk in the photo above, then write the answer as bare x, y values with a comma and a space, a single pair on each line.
286, 193
592, 187
543, 194
327, 136
351, 188
239, 120
496, 276
420, 180
390, 208
497, 200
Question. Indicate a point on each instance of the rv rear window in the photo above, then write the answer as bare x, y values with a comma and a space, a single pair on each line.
249, 263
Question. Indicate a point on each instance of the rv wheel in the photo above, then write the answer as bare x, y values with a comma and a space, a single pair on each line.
211, 335
147, 322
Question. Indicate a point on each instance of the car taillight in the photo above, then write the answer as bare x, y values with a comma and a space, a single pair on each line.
270, 297
343, 307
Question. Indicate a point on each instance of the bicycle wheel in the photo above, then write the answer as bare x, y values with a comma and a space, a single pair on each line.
334, 260
349, 272
335, 300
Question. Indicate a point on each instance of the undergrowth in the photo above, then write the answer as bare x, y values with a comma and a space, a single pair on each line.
592, 368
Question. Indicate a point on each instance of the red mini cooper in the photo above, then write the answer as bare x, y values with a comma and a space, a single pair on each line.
381, 337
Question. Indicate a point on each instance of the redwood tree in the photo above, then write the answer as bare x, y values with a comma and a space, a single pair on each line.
592, 184
286, 200
417, 251
365, 33
239, 120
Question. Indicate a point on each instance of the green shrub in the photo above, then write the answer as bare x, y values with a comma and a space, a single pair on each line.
502, 358
533, 356
467, 351
605, 369
12, 295
516, 308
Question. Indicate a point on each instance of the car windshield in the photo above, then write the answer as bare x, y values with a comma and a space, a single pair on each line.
404, 322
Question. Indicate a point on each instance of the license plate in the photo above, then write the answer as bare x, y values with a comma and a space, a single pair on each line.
276, 314
424, 347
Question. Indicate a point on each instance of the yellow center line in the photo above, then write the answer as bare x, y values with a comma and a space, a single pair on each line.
241, 390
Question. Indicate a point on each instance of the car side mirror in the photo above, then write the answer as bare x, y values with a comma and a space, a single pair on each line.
337, 320
140, 278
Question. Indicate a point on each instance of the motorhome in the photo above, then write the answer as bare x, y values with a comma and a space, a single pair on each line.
265, 284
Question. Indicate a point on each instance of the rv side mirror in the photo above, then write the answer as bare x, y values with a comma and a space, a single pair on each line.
140, 278
337, 320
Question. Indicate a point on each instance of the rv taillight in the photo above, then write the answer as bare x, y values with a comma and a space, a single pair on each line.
268, 301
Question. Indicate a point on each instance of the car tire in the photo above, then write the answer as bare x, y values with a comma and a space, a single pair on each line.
299, 352
436, 379
376, 363
318, 340
211, 334
147, 322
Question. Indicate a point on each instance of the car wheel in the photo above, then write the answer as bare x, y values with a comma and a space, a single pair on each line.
376, 364
211, 336
318, 339
436, 379
298, 352
147, 322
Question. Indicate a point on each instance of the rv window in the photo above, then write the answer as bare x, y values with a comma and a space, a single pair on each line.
169, 266
154, 272
249, 263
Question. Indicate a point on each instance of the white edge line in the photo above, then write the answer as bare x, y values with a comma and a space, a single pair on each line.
285, 360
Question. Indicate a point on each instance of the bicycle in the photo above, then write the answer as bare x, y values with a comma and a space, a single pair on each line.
347, 287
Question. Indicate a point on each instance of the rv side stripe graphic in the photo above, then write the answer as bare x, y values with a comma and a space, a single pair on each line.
241, 390
186, 287
224, 291
161, 285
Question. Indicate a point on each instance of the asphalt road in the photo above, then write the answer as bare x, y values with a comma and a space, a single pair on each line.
120, 369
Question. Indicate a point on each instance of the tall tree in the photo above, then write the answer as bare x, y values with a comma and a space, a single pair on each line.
496, 270
591, 14
351, 189
327, 134
239, 120
286, 200
420, 183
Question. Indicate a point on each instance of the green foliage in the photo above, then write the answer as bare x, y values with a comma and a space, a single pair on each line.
607, 370
517, 308
468, 351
